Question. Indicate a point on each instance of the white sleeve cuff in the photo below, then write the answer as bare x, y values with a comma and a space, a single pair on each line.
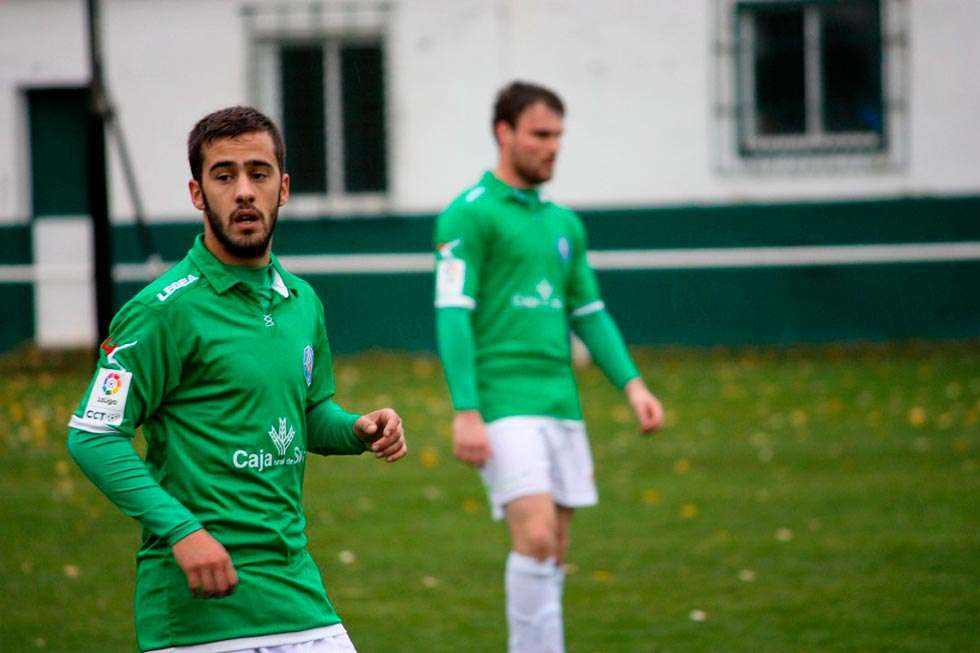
91, 427
591, 307
460, 301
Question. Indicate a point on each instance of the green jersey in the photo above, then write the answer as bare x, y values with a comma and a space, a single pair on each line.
519, 264
222, 379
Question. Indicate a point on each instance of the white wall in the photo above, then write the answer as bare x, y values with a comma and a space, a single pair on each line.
636, 75
41, 44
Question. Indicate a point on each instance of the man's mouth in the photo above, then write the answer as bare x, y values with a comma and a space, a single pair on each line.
245, 216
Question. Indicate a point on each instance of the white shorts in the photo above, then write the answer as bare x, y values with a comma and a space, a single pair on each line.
538, 455
330, 639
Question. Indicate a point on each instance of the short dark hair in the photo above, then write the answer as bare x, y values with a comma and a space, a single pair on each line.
517, 96
228, 123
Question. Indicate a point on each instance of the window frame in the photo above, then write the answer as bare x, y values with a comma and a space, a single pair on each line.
738, 150
816, 139
269, 28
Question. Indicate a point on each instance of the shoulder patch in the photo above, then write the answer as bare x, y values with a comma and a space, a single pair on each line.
107, 400
171, 288
475, 193
450, 281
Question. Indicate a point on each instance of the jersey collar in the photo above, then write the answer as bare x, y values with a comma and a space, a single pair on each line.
530, 197
222, 280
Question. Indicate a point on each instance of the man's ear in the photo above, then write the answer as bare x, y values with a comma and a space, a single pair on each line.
284, 189
503, 132
197, 194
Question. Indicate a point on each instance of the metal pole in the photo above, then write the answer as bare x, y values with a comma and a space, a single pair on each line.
98, 195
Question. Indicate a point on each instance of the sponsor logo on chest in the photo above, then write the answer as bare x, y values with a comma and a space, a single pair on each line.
544, 298
282, 454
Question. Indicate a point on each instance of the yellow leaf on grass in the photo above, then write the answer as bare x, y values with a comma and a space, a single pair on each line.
651, 496
917, 416
429, 457
601, 576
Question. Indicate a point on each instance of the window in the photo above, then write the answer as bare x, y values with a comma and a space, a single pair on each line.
810, 76
810, 79
319, 72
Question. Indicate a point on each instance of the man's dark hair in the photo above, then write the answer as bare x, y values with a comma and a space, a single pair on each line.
227, 123
517, 96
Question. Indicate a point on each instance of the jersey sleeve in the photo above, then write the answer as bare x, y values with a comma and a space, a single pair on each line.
322, 383
459, 254
329, 428
137, 366
454, 335
582, 290
604, 341
460, 248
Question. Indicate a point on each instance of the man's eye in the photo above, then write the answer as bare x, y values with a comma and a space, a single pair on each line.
259, 176
223, 178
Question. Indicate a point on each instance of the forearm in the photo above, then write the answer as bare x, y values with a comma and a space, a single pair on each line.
330, 430
457, 350
111, 463
605, 343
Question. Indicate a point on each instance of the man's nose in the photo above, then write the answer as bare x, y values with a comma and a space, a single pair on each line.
244, 190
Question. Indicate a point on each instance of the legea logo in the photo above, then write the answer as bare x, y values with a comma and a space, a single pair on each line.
171, 288
112, 383
281, 438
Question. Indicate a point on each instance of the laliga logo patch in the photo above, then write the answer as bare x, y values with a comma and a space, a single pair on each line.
112, 383
308, 364
107, 401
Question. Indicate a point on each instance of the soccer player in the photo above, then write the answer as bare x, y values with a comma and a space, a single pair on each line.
224, 362
511, 278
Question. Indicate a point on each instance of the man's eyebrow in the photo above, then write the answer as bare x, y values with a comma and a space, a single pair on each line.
252, 163
221, 164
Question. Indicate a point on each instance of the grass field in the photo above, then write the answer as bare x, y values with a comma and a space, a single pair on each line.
819, 499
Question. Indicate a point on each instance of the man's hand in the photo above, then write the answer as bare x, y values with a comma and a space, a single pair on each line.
648, 410
206, 564
382, 429
470, 442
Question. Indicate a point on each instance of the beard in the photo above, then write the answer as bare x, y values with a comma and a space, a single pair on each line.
244, 247
532, 175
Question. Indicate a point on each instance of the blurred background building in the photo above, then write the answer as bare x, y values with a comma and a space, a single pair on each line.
749, 171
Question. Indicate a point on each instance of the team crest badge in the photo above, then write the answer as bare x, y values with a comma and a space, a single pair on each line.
308, 364
564, 249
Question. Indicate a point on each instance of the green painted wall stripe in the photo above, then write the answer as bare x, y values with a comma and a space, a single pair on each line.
706, 306
15, 244
888, 221
795, 305
872, 270
786, 225
17, 325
